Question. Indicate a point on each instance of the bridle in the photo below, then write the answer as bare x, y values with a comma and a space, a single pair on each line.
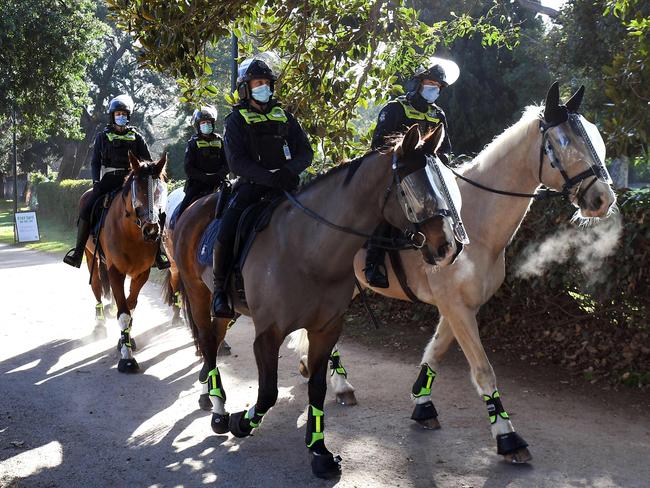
546, 149
143, 216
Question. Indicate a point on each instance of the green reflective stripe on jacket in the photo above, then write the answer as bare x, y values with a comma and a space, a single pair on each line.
129, 136
415, 114
276, 114
201, 143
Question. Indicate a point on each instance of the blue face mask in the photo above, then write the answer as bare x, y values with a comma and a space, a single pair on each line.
430, 93
121, 120
206, 128
262, 93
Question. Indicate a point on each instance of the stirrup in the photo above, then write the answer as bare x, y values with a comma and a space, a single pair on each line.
73, 260
219, 309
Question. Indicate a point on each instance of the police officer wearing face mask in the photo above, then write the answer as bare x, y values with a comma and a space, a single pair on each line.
416, 107
205, 159
267, 149
110, 166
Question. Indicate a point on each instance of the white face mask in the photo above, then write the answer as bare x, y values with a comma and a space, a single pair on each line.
262, 93
430, 93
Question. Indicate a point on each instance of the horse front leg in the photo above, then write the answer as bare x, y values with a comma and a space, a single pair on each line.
134, 289
323, 463
127, 363
465, 328
425, 412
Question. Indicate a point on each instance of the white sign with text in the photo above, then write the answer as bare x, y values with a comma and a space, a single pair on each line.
27, 227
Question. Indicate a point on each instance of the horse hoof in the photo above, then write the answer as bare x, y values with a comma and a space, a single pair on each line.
325, 466
235, 425
346, 398
204, 402
128, 366
224, 350
429, 424
520, 456
304, 370
220, 423
119, 345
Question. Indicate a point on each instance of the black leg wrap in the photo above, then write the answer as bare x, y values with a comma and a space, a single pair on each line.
203, 374
510, 442
204, 402
424, 411
325, 465
128, 366
220, 423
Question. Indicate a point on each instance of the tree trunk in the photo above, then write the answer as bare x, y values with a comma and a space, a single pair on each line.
2, 185
620, 169
66, 170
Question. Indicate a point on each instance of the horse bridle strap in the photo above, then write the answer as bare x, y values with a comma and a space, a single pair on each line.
379, 241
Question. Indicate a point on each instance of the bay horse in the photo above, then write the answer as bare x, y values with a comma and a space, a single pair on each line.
128, 244
299, 274
545, 147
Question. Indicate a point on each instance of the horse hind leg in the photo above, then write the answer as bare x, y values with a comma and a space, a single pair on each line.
96, 286
510, 444
424, 412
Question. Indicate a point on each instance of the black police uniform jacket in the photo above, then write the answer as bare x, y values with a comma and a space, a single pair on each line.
205, 159
257, 142
112, 149
401, 113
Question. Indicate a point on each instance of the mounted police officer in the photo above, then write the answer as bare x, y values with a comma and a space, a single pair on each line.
205, 159
416, 107
110, 166
267, 149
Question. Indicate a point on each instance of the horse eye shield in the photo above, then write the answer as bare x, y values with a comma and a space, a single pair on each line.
156, 198
430, 192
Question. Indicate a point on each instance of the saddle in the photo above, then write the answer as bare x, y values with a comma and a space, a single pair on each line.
252, 221
99, 207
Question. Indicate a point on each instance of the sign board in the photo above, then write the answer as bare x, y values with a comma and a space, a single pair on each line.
27, 227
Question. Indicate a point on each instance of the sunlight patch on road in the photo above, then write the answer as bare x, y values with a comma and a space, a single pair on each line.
25, 367
193, 435
75, 368
170, 364
32, 462
73, 358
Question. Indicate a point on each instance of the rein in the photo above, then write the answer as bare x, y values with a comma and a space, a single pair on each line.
545, 193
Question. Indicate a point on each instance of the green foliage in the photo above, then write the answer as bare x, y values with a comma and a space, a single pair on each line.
60, 199
46, 47
337, 55
596, 323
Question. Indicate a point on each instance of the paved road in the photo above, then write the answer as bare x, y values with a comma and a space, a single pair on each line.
69, 419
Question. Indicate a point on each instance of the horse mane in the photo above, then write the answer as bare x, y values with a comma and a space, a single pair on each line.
503, 143
352, 166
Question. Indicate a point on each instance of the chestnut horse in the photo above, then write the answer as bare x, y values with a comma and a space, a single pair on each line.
128, 243
546, 147
299, 274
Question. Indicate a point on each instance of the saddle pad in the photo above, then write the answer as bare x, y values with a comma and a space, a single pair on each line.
206, 244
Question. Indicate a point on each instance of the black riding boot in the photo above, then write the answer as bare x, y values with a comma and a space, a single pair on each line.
162, 261
220, 263
74, 256
375, 269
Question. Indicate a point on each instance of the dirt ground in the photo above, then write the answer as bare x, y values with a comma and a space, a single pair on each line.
69, 419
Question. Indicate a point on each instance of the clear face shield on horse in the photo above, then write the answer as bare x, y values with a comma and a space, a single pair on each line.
148, 212
431, 192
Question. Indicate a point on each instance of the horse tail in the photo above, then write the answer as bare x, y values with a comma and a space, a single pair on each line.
168, 293
299, 342
187, 309
103, 279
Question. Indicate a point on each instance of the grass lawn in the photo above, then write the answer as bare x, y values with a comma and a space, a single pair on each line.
55, 237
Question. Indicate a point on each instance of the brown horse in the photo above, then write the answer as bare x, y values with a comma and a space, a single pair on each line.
128, 244
299, 274
546, 147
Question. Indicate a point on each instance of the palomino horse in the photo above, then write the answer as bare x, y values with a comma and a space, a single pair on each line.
299, 274
129, 241
547, 146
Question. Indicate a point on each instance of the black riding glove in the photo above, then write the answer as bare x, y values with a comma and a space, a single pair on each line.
284, 179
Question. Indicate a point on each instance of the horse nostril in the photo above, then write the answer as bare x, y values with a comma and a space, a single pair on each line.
443, 249
597, 203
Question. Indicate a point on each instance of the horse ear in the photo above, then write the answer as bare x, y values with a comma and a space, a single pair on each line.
576, 99
553, 113
410, 141
134, 162
160, 165
434, 139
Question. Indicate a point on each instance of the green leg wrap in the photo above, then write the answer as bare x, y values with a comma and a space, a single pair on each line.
99, 311
254, 418
494, 406
336, 365
422, 386
215, 387
178, 302
315, 427
126, 337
